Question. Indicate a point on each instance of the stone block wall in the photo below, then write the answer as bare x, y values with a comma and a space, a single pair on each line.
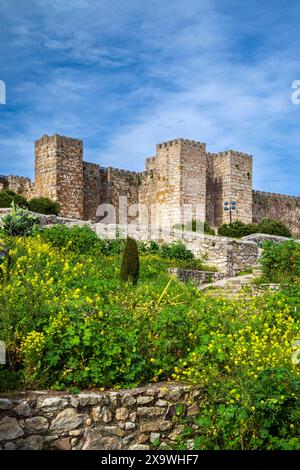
134, 419
19, 184
59, 173
277, 206
123, 193
181, 175
229, 178
198, 277
92, 189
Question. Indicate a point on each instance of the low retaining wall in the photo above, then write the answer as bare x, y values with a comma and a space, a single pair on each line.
199, 277
229, 256
50, 219
259, 238
134, 419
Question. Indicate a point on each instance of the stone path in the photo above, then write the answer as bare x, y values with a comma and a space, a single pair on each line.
237, 286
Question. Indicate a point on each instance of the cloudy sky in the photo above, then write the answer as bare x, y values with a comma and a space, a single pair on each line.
124, 75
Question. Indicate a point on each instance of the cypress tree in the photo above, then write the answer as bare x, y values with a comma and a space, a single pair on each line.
130, 262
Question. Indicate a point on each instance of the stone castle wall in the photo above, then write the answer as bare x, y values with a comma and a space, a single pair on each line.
134, 419
59, 173
19, 184
181, 174
277, 206
229, 178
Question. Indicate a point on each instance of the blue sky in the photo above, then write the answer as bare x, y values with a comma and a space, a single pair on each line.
124, 75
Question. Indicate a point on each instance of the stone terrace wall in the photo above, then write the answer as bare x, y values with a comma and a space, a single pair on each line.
198, 277
127, 419
259, 238
227, 255
277, 206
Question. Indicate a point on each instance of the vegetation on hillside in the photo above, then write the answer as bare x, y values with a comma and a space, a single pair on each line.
238, 229
68, 322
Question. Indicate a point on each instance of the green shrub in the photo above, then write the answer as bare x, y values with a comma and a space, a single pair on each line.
273, 227
74, 239
196, 226
43, 205
208, 230
130, 262
19, 222
237, 229
81, 239
175, 250
8, 197
280, 262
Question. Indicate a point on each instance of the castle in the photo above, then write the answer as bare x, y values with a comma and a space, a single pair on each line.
181, 174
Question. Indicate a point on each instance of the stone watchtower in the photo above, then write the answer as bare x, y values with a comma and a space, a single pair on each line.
229, 177
59, 173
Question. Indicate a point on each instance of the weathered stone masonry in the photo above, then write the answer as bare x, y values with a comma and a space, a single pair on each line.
126, 419
181, 173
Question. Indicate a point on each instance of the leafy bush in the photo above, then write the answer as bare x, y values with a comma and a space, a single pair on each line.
175, 250
82, 240
67, 323
8, 197
268, 226
19, 222
237, 229
274, 227
43, 205
196, 226
280, 262
130, 262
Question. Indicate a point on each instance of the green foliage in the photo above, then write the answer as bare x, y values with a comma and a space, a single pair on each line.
82, 240
280, 262
176, 250
19, 222
67, 323
196, 226
8, 197
74, 239
130, 262
268, 226
237, 229
43, 205
274, 227
208, 230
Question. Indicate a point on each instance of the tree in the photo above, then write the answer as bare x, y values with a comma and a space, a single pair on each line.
130, 262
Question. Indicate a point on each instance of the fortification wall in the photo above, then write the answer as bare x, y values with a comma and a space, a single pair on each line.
19, 184
91, 189
180, 180
123, 193
59, 173
277, 206
229, 178
147, 198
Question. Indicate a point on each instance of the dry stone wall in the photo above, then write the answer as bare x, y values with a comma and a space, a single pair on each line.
198, 277
142, 418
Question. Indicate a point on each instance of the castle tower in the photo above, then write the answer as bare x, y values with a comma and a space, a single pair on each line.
230, 178
180, 166
59, 173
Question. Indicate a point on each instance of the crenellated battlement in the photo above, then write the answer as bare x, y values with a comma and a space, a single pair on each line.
181, 173
275, 195
180, 141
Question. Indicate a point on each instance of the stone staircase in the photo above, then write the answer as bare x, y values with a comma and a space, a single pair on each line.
237, 287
